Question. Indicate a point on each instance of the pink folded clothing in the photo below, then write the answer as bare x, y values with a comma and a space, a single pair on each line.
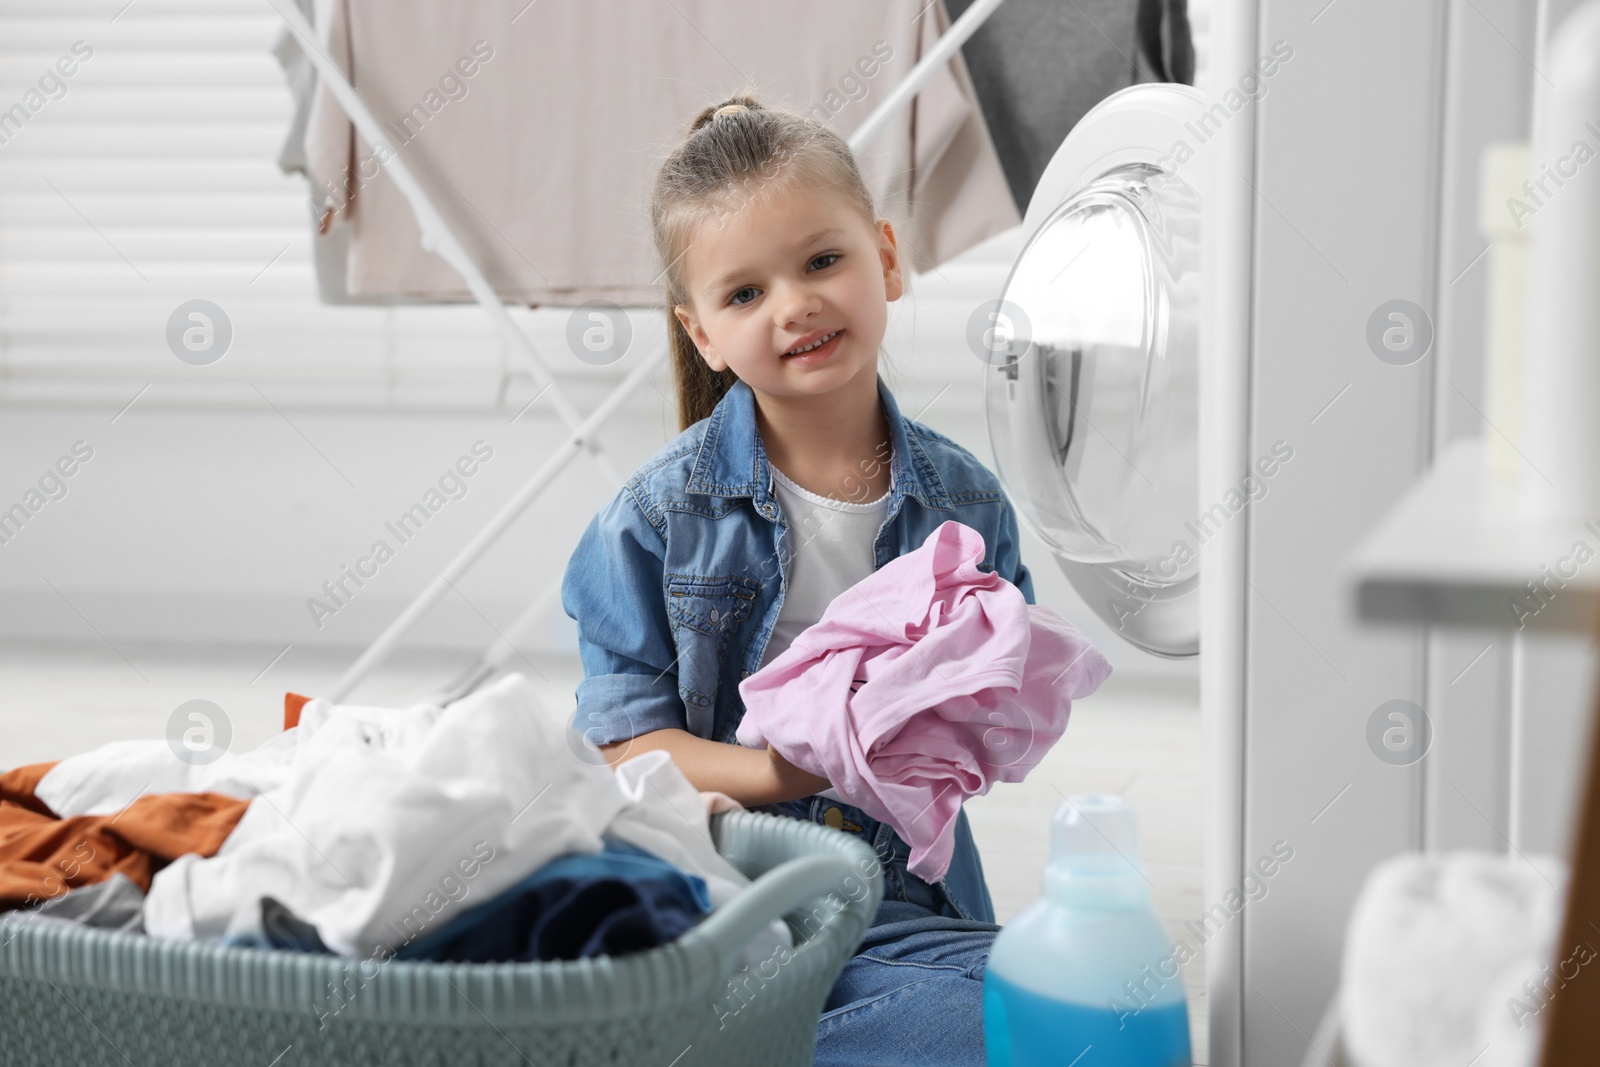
921, 685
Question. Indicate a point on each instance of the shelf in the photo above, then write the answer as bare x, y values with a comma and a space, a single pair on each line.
1453, 552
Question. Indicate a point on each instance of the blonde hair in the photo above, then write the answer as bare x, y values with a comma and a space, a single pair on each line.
731, 152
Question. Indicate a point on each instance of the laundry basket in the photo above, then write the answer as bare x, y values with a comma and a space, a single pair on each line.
78, 995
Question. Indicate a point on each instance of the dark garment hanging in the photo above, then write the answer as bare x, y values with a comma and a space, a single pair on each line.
1165, 39
1038, 66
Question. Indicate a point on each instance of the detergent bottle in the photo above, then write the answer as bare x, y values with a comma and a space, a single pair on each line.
1087, 975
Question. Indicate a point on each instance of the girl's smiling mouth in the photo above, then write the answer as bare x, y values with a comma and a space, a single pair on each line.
815, 346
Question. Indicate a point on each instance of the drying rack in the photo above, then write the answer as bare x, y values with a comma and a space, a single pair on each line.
437, 237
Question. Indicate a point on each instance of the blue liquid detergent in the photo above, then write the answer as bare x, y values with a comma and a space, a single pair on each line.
1038, 1031
1087, 975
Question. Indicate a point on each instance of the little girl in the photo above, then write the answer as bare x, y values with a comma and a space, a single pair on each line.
794, 477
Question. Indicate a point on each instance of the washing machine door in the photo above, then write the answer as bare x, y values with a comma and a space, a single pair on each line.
1091, 387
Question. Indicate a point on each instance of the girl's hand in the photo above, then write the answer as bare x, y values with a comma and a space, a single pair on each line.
792, 782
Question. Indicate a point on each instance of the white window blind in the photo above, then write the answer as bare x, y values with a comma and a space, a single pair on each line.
149, 177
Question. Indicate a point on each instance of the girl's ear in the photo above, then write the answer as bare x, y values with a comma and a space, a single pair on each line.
697, 334
889, 254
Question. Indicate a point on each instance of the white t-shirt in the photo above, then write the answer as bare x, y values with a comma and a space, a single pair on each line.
830, 542
831, 545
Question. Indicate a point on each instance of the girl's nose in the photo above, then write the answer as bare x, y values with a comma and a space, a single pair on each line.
796, 304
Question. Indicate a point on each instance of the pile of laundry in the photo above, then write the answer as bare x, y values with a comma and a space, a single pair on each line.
481, 831
921, 685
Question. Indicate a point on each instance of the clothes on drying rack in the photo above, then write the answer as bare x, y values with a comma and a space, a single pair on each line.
43, 855
1039, 66
539, 153
328, 249
923, 684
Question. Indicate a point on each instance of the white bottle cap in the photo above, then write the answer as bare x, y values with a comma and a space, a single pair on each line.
1094, 840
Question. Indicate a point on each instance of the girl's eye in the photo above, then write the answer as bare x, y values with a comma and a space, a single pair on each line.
733, 298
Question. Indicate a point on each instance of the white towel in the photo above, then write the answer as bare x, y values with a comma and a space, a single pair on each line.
1436, 947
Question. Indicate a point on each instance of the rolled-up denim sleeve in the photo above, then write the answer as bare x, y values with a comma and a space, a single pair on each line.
613, 590
1008, 554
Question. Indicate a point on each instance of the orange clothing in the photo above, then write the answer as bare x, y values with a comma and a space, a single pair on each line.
292, 705
42, 856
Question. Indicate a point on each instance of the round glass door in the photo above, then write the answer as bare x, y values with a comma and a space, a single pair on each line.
1092, 398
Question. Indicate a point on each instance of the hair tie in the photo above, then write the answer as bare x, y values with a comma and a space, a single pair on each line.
729, 109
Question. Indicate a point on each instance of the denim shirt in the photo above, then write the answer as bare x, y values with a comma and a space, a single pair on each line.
677, 583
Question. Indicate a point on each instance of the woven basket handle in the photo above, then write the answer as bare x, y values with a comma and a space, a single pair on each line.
773, 895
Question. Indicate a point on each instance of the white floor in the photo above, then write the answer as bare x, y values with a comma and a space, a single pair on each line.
1137, 738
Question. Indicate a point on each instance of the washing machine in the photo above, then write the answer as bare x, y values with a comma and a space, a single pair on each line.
1091, 385
1333, 170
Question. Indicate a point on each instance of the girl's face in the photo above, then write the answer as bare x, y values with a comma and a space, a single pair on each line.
779, 270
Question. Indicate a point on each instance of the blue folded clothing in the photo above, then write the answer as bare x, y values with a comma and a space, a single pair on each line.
282, 928
622, 899
277, 927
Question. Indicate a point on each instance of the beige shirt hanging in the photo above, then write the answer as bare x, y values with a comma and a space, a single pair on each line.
536, 129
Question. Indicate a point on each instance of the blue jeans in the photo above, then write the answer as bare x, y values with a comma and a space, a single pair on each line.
913, 992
